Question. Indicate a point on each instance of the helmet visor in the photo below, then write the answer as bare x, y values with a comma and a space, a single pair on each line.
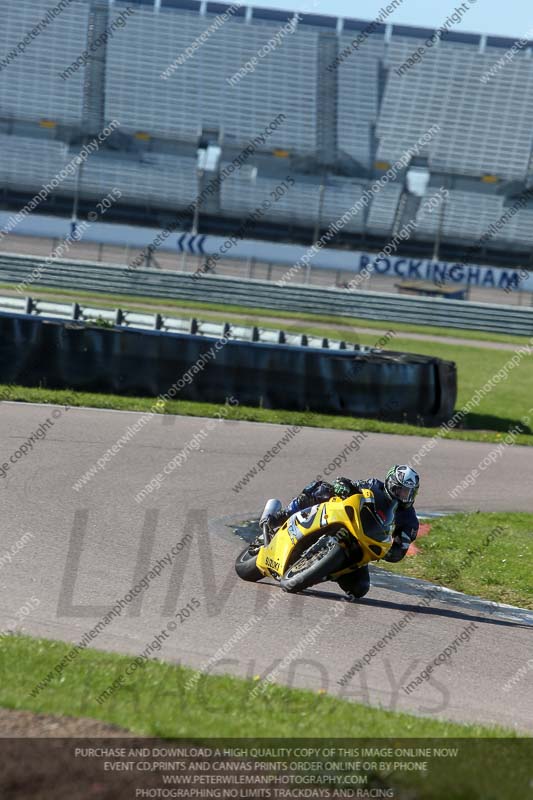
402, 493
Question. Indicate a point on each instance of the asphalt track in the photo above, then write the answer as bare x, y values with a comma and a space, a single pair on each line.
89, 547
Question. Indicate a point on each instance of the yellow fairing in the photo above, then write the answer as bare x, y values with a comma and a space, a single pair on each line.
328, 517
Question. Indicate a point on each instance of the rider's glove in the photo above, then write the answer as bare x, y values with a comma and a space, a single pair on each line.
402, 539
343, 488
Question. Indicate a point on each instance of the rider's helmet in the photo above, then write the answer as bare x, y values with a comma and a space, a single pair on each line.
402, 484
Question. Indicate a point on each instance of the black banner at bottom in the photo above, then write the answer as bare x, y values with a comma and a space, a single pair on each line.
404, 769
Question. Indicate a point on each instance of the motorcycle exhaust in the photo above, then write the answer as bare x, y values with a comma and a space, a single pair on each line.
272, 506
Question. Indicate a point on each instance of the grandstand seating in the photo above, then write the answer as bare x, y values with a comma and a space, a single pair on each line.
197, 95
241, 196
28, 163
383, 209
485, 128
340, 196
168, 181
159, 180
358, 98
377, 112
469, 215
30, 84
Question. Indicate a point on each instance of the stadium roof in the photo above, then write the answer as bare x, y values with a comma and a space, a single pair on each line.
331, 22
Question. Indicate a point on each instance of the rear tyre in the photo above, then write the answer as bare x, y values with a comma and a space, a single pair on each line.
315, 565
245, 564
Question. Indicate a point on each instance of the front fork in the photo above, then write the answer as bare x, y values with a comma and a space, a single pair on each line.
350, 545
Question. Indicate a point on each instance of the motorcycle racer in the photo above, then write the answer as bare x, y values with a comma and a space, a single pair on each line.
400, 486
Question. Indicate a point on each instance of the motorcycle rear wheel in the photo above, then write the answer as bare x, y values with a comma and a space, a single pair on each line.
245, 564
314, 565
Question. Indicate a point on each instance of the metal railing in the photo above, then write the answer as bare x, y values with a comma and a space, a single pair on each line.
377, 306
136, 321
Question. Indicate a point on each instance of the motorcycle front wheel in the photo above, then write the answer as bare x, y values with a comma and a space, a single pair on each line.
314, 565
245, 564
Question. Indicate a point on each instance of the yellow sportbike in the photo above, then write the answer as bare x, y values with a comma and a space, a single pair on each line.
320, 543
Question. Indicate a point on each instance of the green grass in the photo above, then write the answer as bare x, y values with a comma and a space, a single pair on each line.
155, 702
505, 404
456, 554
252, 414
493, 763
215, 312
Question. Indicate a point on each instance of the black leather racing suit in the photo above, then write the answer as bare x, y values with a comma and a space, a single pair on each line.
405, 531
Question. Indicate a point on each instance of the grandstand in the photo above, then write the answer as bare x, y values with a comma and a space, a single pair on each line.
342, 127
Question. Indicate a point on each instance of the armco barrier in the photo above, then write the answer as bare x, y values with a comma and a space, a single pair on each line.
161, 322
95, 277
76, 355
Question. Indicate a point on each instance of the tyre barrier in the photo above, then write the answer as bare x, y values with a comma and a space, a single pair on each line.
82, 356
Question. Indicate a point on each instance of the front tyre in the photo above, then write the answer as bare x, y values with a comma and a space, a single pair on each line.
245, 564
315, 565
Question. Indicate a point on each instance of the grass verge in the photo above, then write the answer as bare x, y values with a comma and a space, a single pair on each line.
264, 415
153, 701
487, 555
215, 312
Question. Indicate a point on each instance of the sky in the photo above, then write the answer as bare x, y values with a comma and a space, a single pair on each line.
513, 18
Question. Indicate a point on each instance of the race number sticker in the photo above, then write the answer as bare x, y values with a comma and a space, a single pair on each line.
306, 517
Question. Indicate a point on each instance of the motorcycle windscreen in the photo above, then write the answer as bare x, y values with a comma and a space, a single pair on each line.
372, 525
